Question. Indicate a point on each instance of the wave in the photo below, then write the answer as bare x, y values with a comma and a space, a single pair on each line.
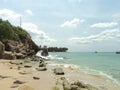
110, 77
81, 68
51, 57
97, 72
54, 57
65, 65
87, 70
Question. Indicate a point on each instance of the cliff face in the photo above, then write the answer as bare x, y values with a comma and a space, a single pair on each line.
16, 40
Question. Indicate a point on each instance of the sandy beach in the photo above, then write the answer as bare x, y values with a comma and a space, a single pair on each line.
9, 73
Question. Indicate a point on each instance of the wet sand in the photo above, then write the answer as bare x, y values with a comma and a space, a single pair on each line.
9, 73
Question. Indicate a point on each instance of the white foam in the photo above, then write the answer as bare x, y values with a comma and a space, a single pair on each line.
96, 72
51, 57
84, 69
65, 65
110, 77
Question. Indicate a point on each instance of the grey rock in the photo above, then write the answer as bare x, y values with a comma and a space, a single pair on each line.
74, 87
27, 66
44, 51
41, 69
58, 71
42, 65
66, 85
80, 84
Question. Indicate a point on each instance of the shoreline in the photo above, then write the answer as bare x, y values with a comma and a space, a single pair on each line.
48, 79
77, 70
88, 71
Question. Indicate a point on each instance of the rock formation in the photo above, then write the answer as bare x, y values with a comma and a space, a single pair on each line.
15, 42
2, 49
44, 51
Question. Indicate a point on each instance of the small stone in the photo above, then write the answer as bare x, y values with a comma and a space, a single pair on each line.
2, 77
27, 66
36, 78
41, 69
18, 82
11, 68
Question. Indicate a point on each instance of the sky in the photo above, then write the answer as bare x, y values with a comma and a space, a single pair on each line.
80, 25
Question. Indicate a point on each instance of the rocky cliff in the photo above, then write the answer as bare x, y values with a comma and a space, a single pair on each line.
16, 41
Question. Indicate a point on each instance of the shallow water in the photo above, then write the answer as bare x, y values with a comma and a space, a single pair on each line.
102, 63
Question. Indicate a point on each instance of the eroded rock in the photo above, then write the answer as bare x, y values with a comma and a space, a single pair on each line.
59, 71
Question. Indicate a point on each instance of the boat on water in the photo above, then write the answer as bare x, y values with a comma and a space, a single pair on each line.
96, 52
118, 52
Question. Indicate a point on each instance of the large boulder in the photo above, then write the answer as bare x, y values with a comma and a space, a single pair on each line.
66, 85
58, 71
78, 86
44, 51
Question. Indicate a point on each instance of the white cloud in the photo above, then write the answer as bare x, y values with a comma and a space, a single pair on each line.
33, 29
29, 12
11, 16
37, 34
106, 35
72, 23
104, 25
7, 14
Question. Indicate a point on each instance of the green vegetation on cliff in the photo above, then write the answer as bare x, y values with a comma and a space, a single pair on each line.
8, 31
16, 39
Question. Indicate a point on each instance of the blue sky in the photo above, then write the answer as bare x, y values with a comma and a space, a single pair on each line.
80, 25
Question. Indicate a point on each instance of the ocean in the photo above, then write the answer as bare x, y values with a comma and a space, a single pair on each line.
102, 63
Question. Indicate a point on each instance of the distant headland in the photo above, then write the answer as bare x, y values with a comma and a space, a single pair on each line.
46, 49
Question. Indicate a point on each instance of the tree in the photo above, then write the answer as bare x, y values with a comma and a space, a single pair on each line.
8, 31
56, 49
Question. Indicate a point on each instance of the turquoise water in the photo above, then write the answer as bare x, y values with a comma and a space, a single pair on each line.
103, 63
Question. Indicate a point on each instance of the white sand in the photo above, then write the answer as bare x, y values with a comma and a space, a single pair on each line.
47, 78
